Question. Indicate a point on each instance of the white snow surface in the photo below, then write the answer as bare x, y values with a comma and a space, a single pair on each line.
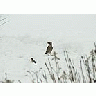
26, 36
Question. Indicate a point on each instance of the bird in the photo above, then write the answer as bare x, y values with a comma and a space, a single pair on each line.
32, 60
49, 48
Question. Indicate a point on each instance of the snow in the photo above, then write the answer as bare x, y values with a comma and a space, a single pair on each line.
26, 36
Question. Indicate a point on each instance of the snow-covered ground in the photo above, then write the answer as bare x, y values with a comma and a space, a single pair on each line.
26, 36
